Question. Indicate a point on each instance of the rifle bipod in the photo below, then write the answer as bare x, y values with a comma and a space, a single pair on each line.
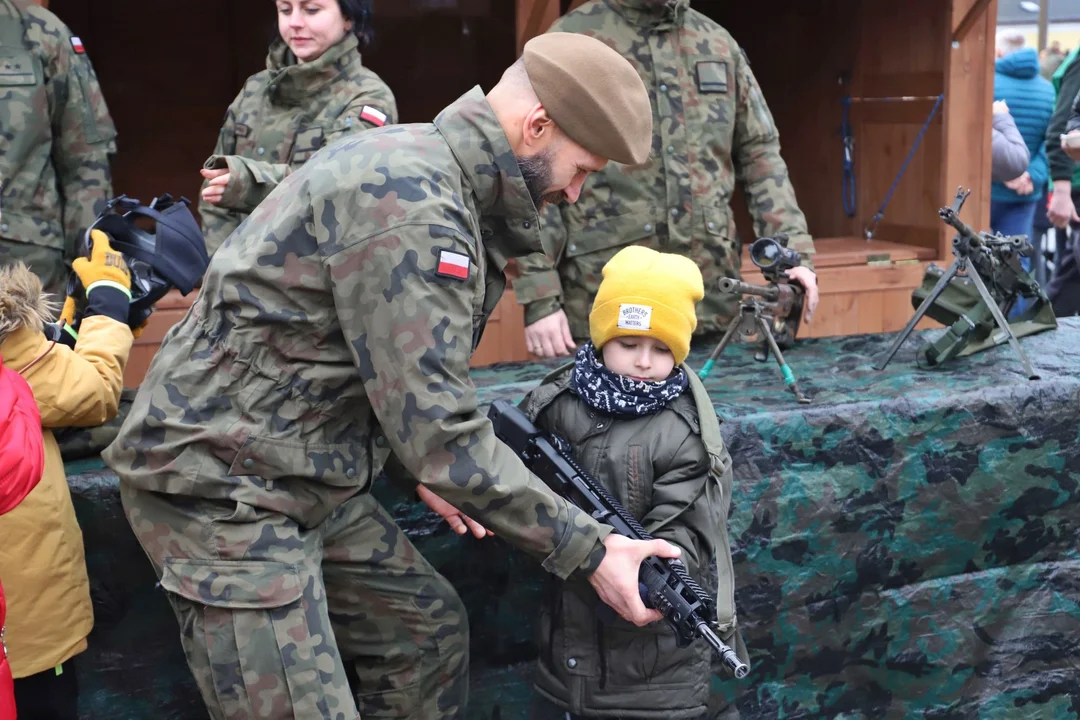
749, 321
960, 264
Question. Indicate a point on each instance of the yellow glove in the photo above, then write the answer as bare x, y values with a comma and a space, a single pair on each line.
105, 268
136, 332
67, 315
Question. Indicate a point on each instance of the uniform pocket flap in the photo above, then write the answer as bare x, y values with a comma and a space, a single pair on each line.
274, 459
233, 584
308, 142
41, 232
718, 222
612, 232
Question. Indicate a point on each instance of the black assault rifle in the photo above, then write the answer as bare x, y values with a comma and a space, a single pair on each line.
665, 585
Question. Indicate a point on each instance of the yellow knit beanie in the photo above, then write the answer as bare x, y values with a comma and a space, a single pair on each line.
650, 294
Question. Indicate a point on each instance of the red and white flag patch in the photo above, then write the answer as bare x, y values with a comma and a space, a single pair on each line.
373, 116
76, 45
454, 265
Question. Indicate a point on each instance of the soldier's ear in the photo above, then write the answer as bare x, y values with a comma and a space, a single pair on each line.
539, 128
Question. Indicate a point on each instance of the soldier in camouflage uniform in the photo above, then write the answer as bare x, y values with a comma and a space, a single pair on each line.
315, 89
712, 126
331, 340
56, 137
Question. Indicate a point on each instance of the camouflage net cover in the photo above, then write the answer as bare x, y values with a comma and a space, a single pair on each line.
907, 545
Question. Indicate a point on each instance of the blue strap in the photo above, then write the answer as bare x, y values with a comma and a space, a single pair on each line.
847, 190
880, 215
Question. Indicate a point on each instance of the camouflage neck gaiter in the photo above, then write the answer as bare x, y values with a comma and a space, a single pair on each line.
658, 15
294, 83
615, 394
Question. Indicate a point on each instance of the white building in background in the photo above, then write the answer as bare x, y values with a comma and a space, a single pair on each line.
1023, 15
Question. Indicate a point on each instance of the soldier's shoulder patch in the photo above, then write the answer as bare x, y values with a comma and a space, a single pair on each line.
373, 115
712, 76
77, 45
453, 265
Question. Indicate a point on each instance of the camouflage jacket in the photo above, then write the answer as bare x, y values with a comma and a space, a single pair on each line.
712, 126
672, 472
281, 117
335, 327
55, 133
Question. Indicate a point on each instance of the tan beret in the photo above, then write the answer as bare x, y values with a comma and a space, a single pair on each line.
593, 94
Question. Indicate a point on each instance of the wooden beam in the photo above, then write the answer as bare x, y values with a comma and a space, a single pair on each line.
533, 18
974, 14
1044, 20
969, 94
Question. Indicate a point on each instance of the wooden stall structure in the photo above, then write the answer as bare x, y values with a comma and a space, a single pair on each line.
168, 99
807, 55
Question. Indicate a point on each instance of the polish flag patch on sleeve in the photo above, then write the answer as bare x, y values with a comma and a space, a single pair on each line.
77, 46
373, 116
453, 265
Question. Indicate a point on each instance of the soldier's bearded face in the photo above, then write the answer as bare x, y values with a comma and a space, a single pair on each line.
311, 27
558, 171
536, 171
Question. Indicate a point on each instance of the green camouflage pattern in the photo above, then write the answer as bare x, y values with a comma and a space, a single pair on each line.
325, 337
56, 137
281, 117
85, 443
290, 606
959, 306
712, 128
906, 546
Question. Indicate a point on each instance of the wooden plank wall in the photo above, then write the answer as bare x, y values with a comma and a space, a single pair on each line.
797, 63
169, 100
878, 49
969, 88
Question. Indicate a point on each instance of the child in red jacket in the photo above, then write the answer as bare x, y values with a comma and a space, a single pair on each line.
22, 459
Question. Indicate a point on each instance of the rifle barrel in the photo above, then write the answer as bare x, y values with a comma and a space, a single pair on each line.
733, 287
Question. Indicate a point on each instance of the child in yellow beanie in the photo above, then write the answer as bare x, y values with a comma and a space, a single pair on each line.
640, 422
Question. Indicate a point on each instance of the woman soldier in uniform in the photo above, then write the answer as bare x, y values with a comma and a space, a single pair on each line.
314, 90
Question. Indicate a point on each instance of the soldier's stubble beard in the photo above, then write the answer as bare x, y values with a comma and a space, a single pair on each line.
536, 172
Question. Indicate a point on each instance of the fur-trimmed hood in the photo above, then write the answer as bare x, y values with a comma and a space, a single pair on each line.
22, 302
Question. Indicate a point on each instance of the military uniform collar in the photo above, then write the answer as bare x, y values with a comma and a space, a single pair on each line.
662, 16
509, 218
293, 82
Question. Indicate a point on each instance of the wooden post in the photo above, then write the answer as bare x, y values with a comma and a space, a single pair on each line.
533, 18
536, 16
1044, 21
969, 94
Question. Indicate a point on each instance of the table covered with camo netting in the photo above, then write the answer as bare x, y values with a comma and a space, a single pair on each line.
906, 545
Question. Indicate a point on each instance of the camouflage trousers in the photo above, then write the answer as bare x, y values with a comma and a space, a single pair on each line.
46, 263
279, 621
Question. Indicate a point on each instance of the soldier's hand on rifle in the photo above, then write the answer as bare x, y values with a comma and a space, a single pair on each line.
616, 579
215, 190
458, 521
550, 336
808, 279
